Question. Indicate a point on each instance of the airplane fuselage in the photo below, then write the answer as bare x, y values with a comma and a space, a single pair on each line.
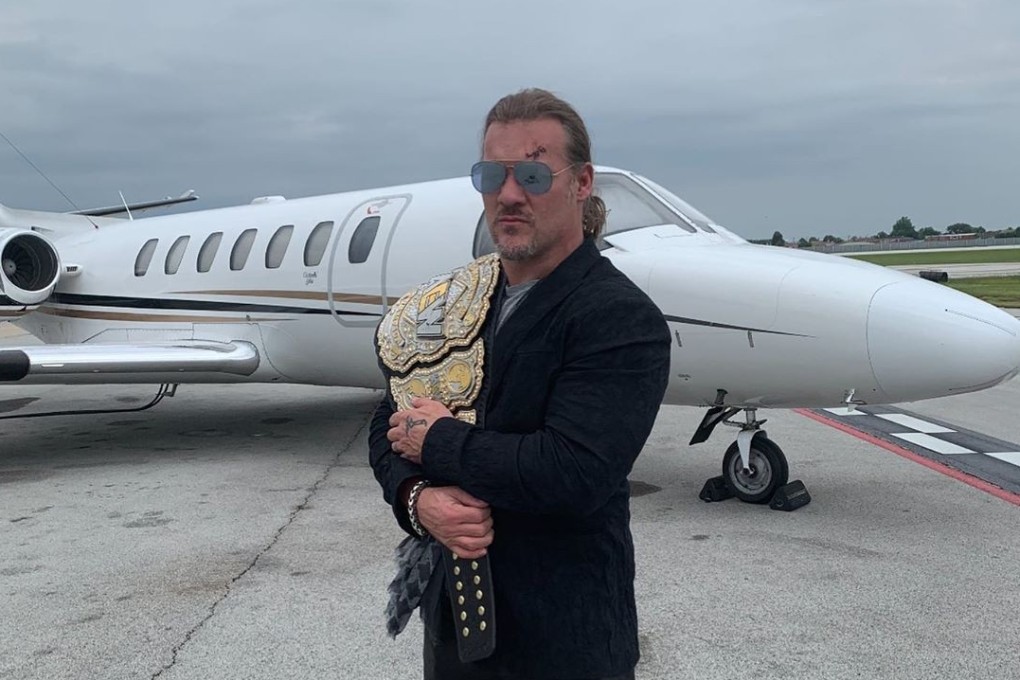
306, 281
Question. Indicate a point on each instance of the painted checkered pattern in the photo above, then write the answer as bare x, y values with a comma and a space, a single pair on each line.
993, 460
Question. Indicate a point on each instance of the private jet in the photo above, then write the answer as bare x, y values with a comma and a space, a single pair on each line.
292, 290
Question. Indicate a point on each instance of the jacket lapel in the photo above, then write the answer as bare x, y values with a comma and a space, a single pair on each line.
545, 296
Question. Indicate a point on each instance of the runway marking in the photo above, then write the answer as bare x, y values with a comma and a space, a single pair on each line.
914, 423
1008, 456
932, 443
973, 458
842, 412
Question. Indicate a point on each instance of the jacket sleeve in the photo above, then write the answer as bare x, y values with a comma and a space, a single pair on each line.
390, 470
601, 408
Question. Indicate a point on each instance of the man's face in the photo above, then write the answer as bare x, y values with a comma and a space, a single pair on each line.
525, 226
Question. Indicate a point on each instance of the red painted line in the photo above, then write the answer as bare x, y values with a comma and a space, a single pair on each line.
973, 481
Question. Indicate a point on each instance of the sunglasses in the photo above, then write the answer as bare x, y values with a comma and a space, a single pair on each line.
534, 177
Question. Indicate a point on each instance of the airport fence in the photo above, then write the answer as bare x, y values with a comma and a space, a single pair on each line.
913, 245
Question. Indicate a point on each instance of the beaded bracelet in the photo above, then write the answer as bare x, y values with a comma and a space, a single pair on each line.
412, 506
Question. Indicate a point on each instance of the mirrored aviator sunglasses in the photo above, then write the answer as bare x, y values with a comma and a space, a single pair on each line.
534, 177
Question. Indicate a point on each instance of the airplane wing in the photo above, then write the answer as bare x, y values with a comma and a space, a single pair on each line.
163, 362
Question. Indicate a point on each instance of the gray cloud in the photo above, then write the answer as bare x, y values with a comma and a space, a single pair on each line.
808, 116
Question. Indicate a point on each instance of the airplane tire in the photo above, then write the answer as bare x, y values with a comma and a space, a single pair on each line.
768, 470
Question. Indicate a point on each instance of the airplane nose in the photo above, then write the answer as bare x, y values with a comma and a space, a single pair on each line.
926, 340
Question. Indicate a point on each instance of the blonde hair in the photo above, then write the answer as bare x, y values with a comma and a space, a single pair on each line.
534, 104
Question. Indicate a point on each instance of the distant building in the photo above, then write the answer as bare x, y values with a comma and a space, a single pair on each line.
952, 237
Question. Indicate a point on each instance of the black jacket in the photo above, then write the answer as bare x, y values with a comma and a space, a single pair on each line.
574, 379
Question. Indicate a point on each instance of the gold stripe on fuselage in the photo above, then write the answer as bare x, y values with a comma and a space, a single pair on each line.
356, 298
137, 316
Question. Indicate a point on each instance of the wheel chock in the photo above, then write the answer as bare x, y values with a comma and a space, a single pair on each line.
715, 489
790, 496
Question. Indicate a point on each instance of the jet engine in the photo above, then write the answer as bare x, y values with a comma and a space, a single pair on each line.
29, 270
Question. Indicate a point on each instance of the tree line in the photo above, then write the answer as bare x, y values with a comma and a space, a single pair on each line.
902, 230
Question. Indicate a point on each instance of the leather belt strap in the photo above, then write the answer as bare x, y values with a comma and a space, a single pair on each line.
469, 583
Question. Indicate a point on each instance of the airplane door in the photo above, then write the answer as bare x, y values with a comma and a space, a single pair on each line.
357, 293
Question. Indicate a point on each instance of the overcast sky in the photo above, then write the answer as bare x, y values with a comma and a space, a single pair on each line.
806, 116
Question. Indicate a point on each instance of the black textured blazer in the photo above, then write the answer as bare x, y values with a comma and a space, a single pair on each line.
574, 380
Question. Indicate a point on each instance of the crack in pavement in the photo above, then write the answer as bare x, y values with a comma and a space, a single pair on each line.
276, 537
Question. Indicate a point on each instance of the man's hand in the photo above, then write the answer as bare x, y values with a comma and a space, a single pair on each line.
456, 519
408, 428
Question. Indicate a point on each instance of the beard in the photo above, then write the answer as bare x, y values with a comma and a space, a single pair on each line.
515, 252
518, 252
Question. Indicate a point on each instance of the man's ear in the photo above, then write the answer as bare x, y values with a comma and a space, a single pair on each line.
585, 179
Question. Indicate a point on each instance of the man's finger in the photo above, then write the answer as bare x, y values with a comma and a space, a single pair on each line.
463, 550
400, 417
468, 554
462, 515
479, 530
464, 498
453, 513
470, 543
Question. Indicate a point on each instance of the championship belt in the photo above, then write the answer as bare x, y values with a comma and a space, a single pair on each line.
432, 346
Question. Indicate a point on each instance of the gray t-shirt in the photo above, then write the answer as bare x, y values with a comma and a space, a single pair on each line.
513, 296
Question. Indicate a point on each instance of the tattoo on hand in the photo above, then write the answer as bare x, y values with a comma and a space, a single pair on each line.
411, 423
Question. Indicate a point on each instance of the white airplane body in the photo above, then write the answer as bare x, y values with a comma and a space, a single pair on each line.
293, 291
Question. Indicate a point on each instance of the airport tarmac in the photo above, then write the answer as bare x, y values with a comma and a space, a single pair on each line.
238, 532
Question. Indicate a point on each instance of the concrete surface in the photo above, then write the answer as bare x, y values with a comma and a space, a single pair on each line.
237, 532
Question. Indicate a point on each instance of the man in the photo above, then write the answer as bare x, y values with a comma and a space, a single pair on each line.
547, 367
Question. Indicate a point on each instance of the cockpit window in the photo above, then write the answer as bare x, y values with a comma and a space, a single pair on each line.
630, 206
690, 212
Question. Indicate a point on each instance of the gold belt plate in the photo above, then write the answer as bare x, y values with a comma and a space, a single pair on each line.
467, 299
455, 381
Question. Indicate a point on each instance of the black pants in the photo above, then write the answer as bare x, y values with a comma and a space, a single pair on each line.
442, 662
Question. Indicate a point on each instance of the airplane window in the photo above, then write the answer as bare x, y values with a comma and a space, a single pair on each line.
176, 254
315, 246
207, 253
362, 240
241, 249
278, 246
682, 206
483, 238
145, 256
631, 206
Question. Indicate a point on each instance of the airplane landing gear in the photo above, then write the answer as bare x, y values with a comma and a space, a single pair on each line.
765, 471
754, 468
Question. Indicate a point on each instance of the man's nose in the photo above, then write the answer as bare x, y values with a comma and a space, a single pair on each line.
511, 192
